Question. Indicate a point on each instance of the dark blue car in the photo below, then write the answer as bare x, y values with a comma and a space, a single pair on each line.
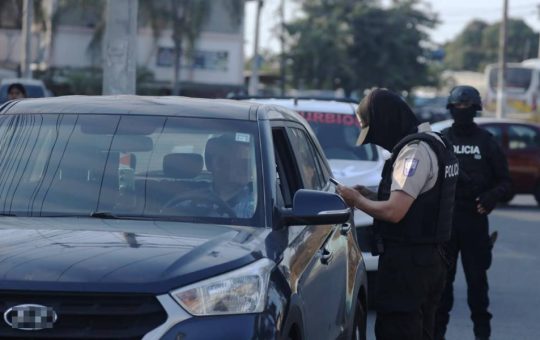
128, 217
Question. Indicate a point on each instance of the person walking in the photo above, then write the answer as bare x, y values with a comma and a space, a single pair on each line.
484, 180
412, 215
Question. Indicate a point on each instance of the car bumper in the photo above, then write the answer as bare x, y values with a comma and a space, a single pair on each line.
180, 325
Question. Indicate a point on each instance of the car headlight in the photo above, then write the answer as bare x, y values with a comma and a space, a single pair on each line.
238, 292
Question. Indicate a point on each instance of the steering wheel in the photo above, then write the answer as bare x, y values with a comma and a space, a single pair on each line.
198, 203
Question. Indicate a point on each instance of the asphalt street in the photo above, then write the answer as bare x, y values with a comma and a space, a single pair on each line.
514, 278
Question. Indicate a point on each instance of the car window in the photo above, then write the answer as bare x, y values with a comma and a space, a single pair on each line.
32, 91
286, 180
522, 137
337, 134
307, 164
496, 131
146, 166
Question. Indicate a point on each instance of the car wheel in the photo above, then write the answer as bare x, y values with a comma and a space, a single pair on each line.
360, 322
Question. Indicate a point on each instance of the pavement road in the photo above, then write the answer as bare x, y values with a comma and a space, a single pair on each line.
514, 278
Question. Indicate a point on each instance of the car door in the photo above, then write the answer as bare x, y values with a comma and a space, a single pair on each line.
523, 156
323, 286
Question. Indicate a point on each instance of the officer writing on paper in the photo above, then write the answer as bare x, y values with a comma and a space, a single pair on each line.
412, 213
484, 180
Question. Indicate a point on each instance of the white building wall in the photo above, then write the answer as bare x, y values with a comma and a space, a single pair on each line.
70, 47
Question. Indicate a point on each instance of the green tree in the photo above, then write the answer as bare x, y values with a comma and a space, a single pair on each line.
360, 44
478, 45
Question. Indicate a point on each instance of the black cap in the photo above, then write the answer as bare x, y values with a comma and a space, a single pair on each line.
465, 95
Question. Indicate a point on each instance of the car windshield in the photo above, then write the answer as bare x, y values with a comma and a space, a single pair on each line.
337, 133
115, 166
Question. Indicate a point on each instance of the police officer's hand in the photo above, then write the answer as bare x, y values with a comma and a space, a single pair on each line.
486, 203
349, 195
364, 191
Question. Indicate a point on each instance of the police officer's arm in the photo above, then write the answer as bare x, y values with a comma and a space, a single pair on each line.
393, 210
412, 171
503, 183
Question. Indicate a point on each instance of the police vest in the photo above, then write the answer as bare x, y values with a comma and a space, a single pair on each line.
473, 152
429, 219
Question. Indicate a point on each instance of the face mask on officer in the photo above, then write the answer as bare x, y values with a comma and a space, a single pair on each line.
463, 114
385, 119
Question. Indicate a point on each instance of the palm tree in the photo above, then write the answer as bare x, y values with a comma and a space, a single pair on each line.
186, 19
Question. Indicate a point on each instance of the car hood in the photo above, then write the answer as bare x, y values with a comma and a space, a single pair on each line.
88, 254
367, 173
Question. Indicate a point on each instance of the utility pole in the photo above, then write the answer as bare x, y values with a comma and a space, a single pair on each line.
538, 8
119, 47
26, 35
501, 74
282, 40
254, 79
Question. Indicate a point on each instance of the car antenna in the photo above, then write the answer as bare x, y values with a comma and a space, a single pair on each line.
295, 101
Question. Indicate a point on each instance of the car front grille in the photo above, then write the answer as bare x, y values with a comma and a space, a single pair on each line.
87, 316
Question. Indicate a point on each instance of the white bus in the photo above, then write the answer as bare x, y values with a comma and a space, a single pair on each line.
522, 88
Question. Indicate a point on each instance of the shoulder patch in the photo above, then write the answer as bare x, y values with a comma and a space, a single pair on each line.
409, 166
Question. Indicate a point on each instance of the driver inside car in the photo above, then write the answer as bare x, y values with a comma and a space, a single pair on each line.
229, 160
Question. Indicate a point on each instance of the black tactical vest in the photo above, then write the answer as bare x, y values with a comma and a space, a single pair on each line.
429, 219
476, 175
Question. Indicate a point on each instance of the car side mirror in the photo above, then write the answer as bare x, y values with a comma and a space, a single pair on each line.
316, 207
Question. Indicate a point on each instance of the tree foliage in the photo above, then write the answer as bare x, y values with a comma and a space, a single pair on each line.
357, 44
477, 45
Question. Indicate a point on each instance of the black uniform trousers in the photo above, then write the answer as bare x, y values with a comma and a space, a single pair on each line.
410, 281
470, 236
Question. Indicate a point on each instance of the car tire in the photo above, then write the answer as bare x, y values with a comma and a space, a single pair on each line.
360, 322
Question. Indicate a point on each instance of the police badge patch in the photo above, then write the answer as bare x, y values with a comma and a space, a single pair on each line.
409, 167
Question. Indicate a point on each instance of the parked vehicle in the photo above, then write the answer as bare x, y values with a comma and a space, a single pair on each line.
35, 88
522, 87
337, 130
431, 109
226, 226
520, 141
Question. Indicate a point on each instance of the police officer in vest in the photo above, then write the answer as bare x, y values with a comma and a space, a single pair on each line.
483, 181
412, 213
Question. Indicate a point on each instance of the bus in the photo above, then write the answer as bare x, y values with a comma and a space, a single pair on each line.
522, 88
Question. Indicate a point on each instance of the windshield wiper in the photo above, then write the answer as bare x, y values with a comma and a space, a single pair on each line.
7, 214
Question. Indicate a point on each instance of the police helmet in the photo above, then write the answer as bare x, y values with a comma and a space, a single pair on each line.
465, 95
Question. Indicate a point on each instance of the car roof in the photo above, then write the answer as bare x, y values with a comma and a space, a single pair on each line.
147, 105
439, 126
24, 81
310, 105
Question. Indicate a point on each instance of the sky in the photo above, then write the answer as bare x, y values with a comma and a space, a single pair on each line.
453, 16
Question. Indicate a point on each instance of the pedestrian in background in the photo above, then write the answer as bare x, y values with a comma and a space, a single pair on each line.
484, 180
412, 214
16, 91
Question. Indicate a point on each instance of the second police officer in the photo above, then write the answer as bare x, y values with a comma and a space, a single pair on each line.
483, 181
